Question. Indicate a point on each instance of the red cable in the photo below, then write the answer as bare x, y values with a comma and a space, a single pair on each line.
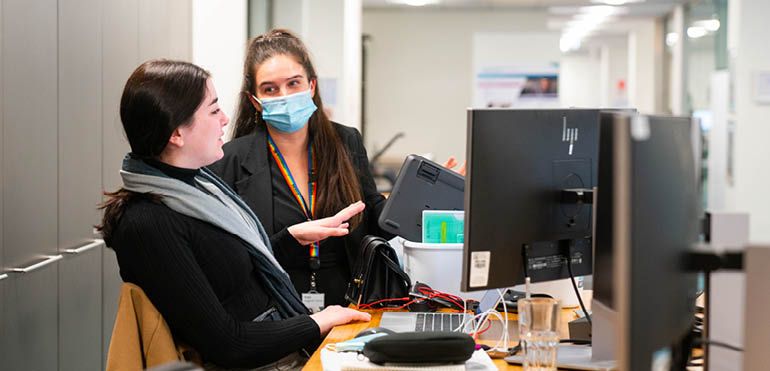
431, 293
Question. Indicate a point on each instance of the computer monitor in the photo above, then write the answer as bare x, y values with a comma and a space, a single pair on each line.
520, 165
646, 222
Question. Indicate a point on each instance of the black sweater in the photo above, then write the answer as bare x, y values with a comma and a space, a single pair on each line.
202, 281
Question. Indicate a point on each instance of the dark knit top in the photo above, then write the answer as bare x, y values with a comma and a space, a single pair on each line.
202, 281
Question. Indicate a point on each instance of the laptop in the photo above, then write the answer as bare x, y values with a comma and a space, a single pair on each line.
433, 321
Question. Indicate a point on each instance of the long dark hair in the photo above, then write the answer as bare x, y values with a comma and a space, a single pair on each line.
159, 96
337, 181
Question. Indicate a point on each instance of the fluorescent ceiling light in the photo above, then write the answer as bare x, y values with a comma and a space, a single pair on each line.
695, 32
414, 2
604, 10
672, 38
616, 2
710, 25
567, 43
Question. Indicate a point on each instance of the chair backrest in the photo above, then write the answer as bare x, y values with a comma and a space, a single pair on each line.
141, 338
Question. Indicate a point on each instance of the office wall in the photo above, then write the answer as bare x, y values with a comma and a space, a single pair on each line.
699, 63
750, 55
579, 82
219, 30
614, 68
420, 74
645, 68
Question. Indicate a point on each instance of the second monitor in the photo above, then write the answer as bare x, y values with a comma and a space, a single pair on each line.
528, 190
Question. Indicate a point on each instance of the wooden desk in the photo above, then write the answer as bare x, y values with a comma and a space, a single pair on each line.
347, 332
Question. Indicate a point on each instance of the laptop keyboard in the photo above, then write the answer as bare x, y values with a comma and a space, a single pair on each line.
438, 321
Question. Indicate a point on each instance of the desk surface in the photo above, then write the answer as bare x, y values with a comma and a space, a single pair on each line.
347, 332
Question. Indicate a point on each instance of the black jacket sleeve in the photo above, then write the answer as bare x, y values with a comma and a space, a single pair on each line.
373, 199
156, 253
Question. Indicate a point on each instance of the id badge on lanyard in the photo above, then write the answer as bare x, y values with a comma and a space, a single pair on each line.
312, 299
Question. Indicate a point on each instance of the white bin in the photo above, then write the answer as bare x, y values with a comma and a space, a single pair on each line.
437, 265
440, 267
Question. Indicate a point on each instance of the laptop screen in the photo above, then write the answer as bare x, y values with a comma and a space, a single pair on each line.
489, 301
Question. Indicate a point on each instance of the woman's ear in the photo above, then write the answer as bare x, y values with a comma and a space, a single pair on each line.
254, 102
176, 138
312, 88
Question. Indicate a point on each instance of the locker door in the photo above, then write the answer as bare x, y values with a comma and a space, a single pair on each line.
3, 274
29, 44
80, 183
120, 52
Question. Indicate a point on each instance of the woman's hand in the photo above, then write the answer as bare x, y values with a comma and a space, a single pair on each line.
336, 315
451, 163
321, 229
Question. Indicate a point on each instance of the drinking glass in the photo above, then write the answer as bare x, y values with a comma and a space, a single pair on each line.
539, 333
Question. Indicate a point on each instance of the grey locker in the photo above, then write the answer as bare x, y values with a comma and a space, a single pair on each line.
3, 274
180, 30
30, 319
80, 177
154, 27
120, 50
29, 44
80, 310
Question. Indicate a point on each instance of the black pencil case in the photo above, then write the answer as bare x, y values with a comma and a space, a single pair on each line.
421, 347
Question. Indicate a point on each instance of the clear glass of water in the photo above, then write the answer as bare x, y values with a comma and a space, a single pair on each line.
539, 333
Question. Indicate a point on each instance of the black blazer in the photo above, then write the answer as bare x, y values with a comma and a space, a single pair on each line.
246, 168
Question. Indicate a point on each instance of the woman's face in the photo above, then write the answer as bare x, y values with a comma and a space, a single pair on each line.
203, 136
279, 76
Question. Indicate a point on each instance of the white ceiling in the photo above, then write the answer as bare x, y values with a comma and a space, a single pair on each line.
559, 11
647, 8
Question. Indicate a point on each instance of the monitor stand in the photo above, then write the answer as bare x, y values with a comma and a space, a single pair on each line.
600, 356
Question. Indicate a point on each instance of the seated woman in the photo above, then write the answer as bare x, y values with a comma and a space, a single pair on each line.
195, 248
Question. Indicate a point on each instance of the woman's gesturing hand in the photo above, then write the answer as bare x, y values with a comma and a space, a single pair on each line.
451, 163
317, 230
334, 315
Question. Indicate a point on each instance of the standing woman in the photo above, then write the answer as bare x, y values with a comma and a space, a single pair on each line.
193, 246
293, 166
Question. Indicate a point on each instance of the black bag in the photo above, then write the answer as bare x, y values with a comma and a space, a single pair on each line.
377, 274
421, 347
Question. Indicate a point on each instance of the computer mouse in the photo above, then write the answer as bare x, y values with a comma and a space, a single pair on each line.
374, 330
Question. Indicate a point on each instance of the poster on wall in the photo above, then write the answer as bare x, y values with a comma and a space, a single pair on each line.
517, 87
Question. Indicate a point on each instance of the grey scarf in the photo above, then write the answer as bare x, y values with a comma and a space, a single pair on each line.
223, 208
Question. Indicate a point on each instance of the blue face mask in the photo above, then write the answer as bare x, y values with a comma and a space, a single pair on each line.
288, 113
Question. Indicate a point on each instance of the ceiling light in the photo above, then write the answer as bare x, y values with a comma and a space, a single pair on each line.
567, 43
695, 32
710, 25
415, 2
672, 38
616, 2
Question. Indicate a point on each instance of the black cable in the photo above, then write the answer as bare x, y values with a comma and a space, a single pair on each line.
575, 341
574, 286
716, 343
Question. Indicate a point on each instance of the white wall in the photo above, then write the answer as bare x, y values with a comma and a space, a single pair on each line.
589, 78
750, 54
614, 68
420, 74
699, 67
219, 30
677, 67
645, 68
579, 82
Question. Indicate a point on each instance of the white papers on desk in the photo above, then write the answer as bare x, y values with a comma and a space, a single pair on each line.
351, 361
